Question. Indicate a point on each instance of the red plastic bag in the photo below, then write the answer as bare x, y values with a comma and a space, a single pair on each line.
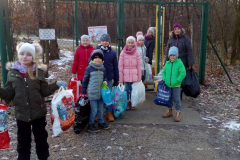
4, 136
75, 85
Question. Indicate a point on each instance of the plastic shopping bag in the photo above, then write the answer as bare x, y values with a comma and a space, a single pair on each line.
148, 76
119, 101
190, 84
106, 94
164, 95
62, 111
82, 114
4, 136
138, 93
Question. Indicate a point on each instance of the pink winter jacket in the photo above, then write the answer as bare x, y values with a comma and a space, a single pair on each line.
129, 65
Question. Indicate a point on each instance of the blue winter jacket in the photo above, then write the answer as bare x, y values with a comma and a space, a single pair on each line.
110, 64
92, 81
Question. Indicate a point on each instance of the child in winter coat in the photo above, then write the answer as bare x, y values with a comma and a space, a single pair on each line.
142, 51
27, 87
111, 66
81, 57
94, 76
173, 73
130, 68
150, 43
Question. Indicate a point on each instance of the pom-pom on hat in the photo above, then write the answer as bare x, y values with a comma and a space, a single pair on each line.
139, 37
177, 25
173, 51
97, 52
34, 48
105, 37
139, 33
132, 38
85, 37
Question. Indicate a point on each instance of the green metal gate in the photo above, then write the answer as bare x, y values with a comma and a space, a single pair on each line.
120, 25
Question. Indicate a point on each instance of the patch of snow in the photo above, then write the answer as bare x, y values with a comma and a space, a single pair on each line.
233, 125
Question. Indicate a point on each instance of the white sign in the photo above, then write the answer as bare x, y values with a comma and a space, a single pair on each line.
95, 32
47, 34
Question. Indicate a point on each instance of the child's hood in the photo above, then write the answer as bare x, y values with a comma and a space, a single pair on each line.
9, 66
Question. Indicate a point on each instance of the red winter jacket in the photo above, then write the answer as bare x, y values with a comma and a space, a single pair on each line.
80, 61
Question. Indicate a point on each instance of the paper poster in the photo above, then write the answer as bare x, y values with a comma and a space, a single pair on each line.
95, 32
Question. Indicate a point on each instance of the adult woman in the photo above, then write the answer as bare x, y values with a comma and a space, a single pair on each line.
183, 43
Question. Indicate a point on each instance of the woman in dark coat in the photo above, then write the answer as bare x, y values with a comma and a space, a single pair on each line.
182, 41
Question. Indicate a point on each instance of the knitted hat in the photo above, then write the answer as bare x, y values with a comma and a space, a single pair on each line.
97, 52
132, 38
152, 29
105, 37
34, 48
139, 37
177, 25
139, 33
173, 51
85, 37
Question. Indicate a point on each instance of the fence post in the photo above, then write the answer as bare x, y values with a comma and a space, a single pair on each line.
7, 31
203, 46
3, 50
76, 22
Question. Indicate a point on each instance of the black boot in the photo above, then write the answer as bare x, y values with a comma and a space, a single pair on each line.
103, 125
92, 128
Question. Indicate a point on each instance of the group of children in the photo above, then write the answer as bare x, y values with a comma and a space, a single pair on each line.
27, 87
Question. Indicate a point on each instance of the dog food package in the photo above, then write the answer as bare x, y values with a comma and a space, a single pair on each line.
4, 136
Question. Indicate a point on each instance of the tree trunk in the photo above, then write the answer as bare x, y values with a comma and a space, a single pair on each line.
54, 51
236, 39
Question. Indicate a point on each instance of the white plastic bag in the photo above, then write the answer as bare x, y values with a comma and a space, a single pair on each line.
138, 93
148, 76
62, 111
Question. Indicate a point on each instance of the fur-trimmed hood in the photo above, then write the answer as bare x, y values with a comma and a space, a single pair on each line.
180, 35
40, 66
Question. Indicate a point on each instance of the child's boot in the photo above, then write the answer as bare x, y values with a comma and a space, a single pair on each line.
92, 128
178, 116
168, 113
103, 126
129, 105
96, 118
110, 117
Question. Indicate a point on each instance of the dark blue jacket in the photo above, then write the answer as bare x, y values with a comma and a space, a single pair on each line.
110, 64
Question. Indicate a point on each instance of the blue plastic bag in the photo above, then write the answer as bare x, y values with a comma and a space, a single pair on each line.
119, 102
164, 95
106, 94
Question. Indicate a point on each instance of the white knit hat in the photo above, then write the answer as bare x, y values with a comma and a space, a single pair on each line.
132, 38
140, 37
34, 48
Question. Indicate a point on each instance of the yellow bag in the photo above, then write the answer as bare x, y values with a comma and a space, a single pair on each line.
156, 84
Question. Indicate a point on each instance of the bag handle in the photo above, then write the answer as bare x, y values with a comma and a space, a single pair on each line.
121, 87
59, 90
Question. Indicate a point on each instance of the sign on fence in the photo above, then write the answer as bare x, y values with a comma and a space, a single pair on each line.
94, 32
47, 34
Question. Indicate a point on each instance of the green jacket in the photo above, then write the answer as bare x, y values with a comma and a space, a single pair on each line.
27, 94
173, 73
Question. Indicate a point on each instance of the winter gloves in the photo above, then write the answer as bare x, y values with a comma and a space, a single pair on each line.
115, 83
74, 75
61, 83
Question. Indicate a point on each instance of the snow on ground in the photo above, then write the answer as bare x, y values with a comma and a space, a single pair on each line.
233, 125
61, 68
